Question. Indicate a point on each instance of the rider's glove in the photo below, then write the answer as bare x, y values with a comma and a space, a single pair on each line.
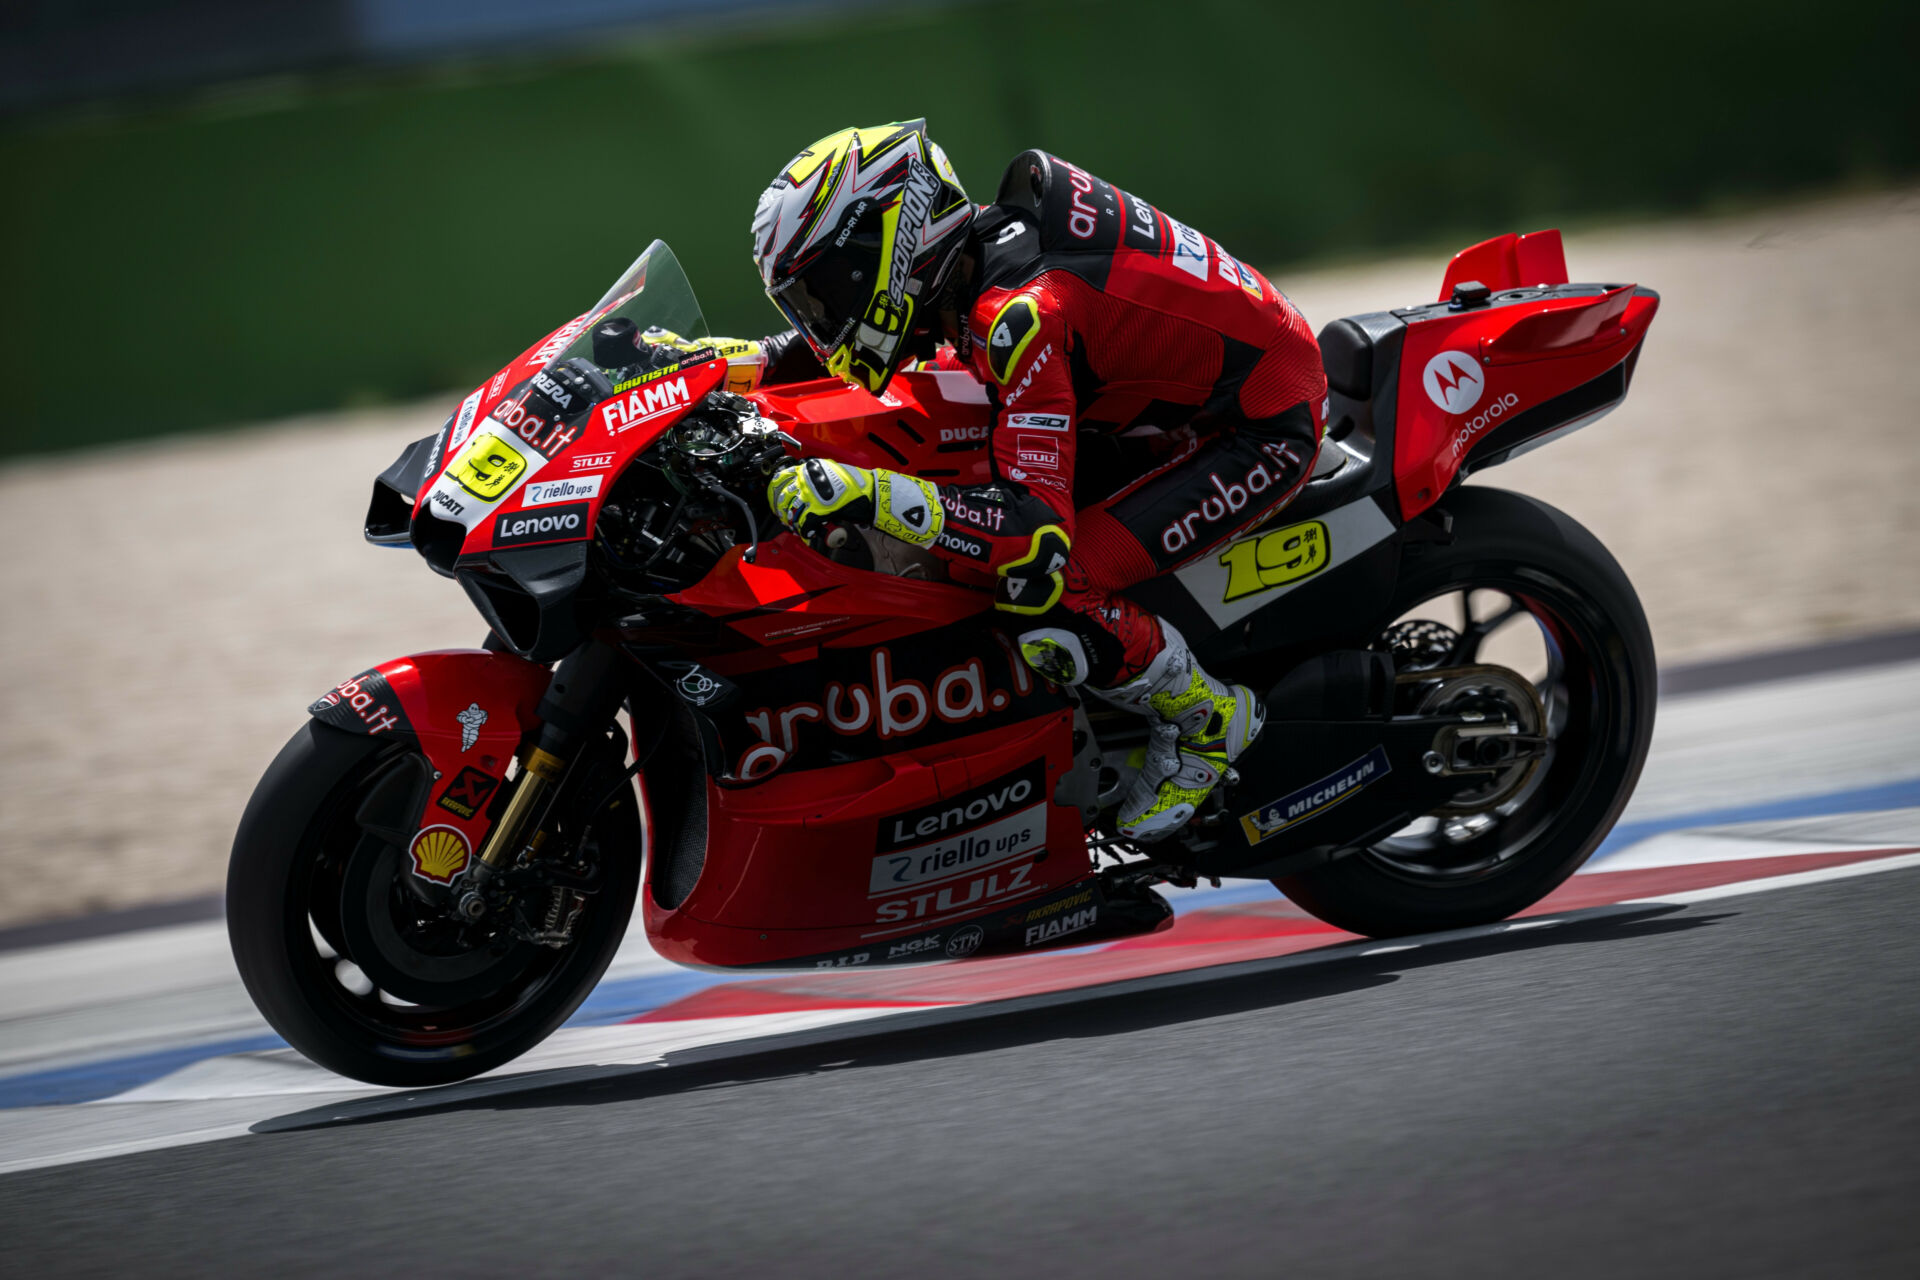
809, 496
746, 359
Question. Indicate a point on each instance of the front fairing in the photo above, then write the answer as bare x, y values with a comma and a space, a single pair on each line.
506, 495
525, 463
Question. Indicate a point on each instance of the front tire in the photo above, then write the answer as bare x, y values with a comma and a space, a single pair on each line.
1599, 695
318, 921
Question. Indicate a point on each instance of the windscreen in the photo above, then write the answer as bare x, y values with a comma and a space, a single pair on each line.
653, 293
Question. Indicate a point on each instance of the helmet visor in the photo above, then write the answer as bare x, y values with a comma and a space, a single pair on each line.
825, 298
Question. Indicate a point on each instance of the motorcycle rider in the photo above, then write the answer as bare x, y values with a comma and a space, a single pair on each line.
1087, 313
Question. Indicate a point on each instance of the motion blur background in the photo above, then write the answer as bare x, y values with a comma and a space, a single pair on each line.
253, 248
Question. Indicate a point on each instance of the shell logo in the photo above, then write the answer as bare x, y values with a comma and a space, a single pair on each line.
439, 854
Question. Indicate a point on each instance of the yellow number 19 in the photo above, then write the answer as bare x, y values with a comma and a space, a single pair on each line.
1285, 555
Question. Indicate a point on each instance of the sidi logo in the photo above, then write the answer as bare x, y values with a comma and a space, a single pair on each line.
1453, 381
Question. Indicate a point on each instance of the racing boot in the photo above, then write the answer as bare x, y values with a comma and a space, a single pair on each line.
1201, 726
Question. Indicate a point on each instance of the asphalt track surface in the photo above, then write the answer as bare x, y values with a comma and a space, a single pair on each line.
1695, 1059
1725, 1088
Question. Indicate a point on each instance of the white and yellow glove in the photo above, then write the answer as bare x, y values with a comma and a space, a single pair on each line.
812, 494
746, 359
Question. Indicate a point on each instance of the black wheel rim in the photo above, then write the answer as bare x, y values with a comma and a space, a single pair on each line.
1584, 687
387, 964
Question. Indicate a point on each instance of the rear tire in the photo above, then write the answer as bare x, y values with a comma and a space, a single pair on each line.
306, 887
1595, 629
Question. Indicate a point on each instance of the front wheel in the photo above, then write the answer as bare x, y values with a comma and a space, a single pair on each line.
354, 970
1548, 629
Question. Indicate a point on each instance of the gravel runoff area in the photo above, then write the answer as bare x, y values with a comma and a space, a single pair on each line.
183, 600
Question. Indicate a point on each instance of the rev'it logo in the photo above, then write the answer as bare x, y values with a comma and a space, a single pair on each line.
1453, 381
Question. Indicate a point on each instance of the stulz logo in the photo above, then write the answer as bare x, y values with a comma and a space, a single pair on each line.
590, 461
540, 493
1039, 452
1453, 381
936, 903
518, 528
643, 404
1489, 415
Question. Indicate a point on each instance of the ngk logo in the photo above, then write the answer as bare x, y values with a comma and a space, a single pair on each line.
1453, 381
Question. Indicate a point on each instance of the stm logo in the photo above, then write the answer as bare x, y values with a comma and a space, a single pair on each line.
1453, 381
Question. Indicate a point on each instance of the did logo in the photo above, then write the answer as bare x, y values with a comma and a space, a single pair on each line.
1453, 381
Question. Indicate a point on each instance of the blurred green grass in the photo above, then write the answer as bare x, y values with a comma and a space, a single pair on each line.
361, 237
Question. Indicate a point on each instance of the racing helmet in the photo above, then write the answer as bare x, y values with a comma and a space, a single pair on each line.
856, 236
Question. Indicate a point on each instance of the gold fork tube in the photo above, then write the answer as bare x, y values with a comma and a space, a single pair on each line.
543, 768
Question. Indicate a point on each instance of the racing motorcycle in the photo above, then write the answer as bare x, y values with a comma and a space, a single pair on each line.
801, 754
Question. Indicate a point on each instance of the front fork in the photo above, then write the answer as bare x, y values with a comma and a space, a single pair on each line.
582, 698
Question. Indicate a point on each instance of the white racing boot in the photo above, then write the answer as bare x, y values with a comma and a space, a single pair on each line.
1202, 726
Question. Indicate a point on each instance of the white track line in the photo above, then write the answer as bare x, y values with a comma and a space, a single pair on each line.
1792, 880
45, 1137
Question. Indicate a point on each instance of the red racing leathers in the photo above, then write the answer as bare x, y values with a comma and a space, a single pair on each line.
1097, 319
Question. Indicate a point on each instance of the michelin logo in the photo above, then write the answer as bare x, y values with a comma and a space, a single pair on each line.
1315, 798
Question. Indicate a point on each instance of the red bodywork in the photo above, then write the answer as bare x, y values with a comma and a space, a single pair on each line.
423, 697
791, 857
930, 423
823, 820
1495, 363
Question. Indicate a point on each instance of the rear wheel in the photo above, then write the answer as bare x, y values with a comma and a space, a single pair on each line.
1523, 616
356, 971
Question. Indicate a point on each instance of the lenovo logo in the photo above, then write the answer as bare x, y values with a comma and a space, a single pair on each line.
562, 524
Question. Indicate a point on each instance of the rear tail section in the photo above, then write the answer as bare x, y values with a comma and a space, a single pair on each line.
1508, 262
1510, 355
